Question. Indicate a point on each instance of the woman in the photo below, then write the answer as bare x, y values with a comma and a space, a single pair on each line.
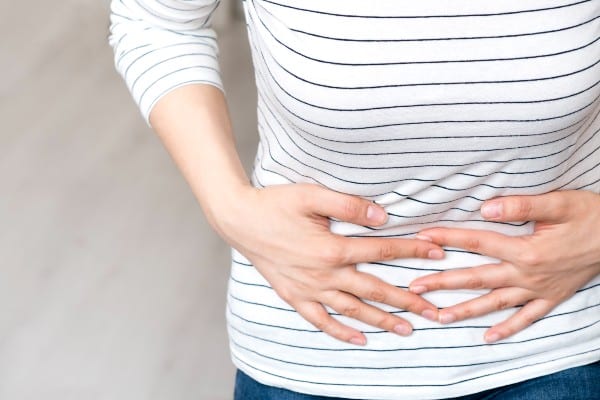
389, 129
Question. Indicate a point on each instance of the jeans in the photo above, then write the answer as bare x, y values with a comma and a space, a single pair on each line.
580, 383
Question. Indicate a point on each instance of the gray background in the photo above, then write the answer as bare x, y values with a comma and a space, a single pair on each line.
112, 285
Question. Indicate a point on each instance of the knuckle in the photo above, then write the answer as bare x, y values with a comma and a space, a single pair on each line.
563, 294
387, 322
467, 312
474, 282
524, 208
540, 283
316, 277
351, 208
351, 311
501, 303
377, 294
329, 327
333, 256
531, 258
387, 251
286, 295
529, 318
304, 195
321, 324
473, 244
563, 206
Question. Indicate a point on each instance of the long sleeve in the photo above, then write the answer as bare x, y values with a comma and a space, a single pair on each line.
160, 45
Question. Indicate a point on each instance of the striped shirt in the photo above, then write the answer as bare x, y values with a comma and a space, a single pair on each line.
426, 107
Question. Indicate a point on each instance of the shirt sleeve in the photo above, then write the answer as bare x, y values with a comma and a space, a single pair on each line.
160, 45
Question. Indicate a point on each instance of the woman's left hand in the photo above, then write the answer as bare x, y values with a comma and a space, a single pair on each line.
538, 271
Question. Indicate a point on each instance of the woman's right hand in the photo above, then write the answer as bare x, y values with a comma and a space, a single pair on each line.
284, 231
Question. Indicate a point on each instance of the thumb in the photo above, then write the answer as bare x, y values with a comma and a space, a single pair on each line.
345, 207
549, 207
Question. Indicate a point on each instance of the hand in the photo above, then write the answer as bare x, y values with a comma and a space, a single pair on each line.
540, 270
284, 231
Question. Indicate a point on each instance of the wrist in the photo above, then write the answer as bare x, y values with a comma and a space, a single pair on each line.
224, 209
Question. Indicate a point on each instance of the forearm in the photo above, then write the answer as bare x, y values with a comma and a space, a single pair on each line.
283, 230
193, 124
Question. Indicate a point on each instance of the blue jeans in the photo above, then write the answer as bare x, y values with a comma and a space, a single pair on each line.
580, 383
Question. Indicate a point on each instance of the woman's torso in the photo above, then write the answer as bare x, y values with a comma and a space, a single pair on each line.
428, 108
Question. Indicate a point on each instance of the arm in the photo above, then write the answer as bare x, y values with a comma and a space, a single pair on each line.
167, 54
283, 230
292, 245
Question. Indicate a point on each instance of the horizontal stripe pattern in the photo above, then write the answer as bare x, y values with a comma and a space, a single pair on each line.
428, 108
161, 45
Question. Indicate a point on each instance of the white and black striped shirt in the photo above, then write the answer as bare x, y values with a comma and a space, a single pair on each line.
427, 107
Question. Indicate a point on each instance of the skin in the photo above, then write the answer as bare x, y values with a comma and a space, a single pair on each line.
539, 271
284, 230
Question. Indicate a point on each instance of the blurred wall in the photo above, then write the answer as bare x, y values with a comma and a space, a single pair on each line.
112, 285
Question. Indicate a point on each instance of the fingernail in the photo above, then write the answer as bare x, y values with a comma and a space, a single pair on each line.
376, 214
430, 315
435, 254
492, 210
418, 289
403, 330
358, 341
447, 318
423, 237
492, 337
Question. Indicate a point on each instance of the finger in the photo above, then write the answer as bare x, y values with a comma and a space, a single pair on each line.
531, 312
369, 287
351, 307
368, 249
496, 300
316, 314
345, 207
489, 276
549, 207
489, 243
